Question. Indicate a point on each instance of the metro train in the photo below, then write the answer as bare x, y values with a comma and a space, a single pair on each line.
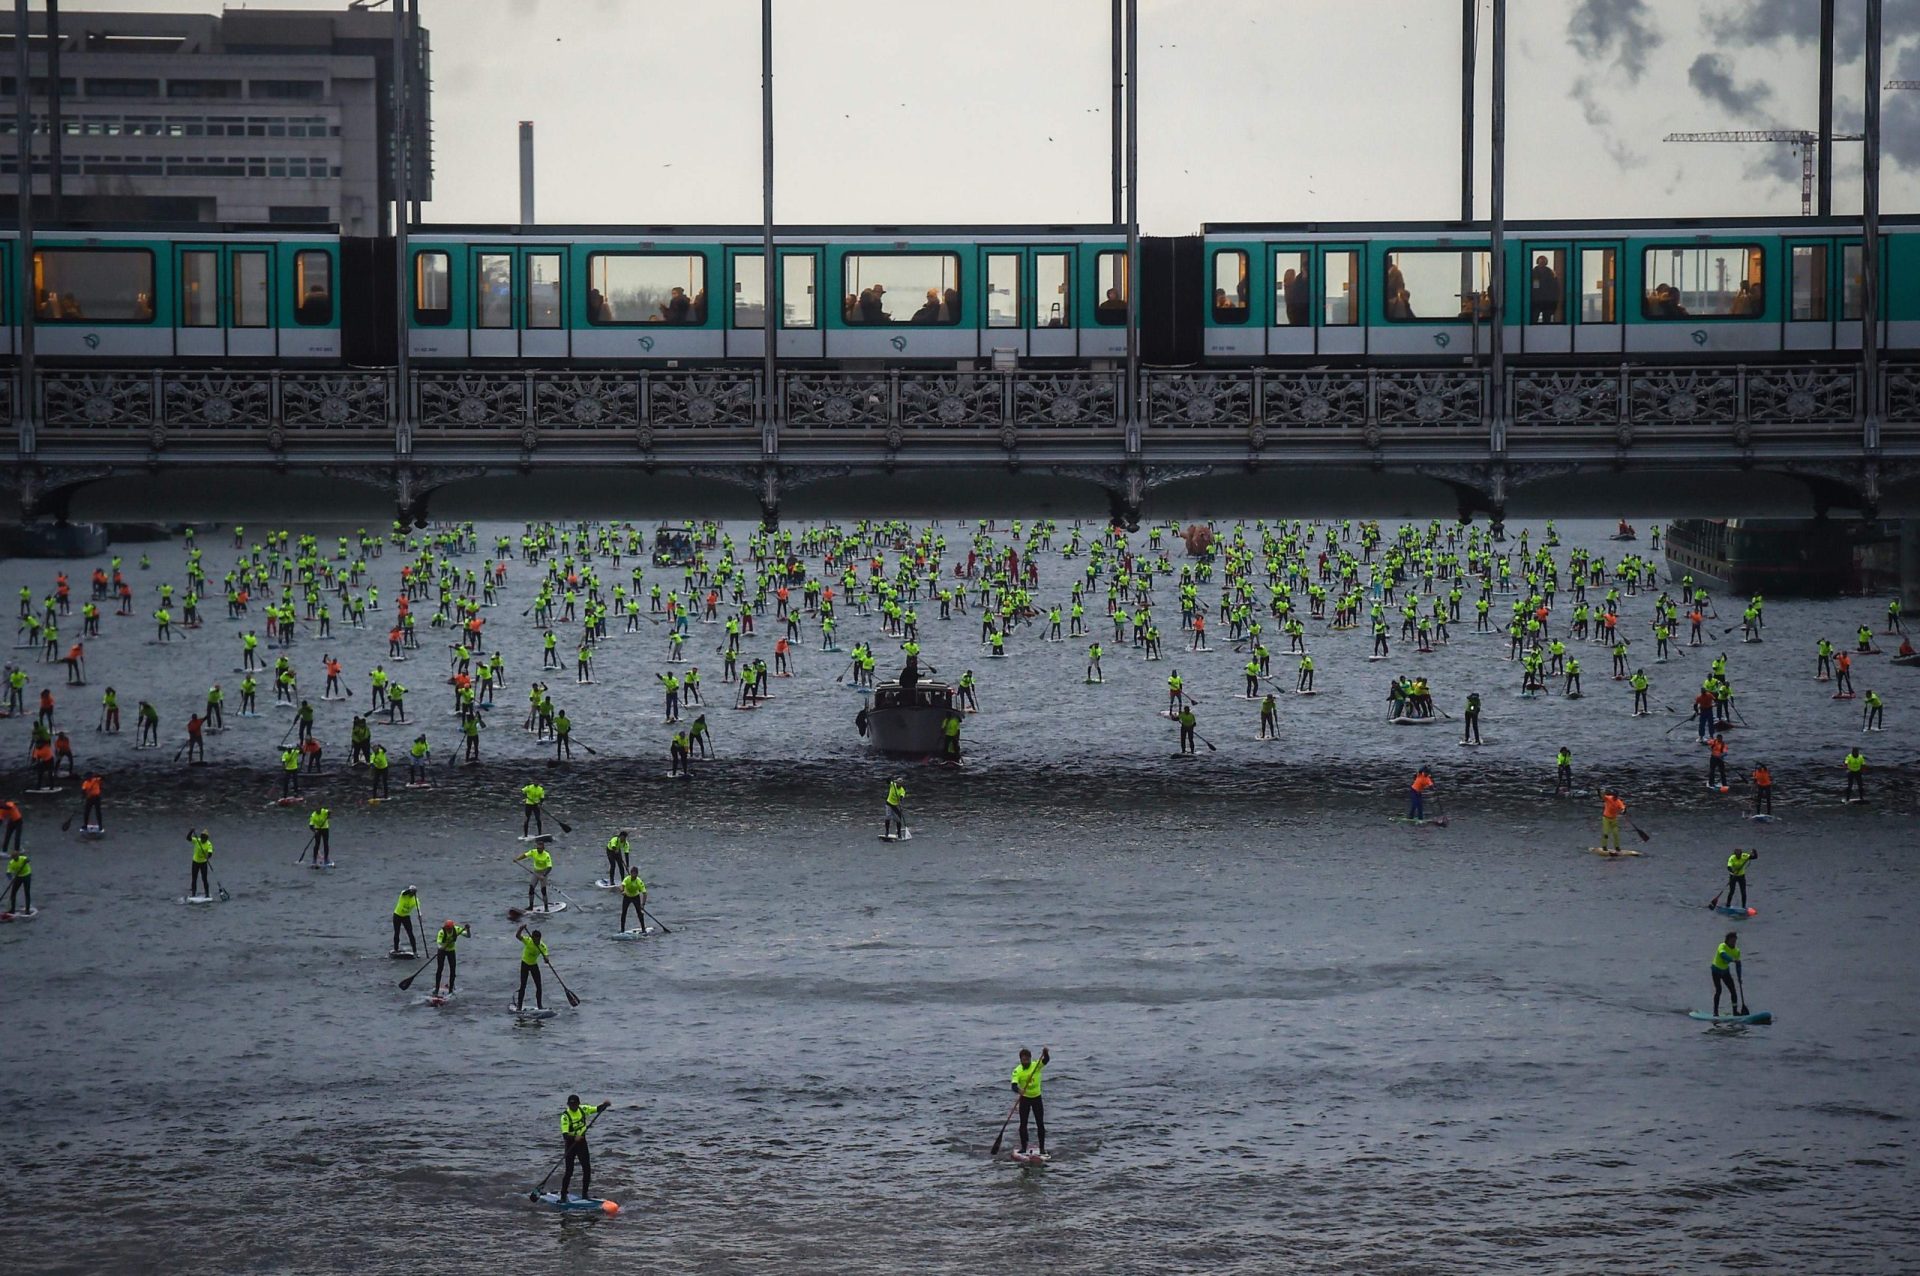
1237, 294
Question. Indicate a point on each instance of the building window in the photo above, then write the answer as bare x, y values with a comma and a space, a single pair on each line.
1110, 278
298, 214
313, 287
200, 289
287, 90
432, 297
543, 290
93, 285
902, 288
194, 88
113, 86
628, 288
1720, 282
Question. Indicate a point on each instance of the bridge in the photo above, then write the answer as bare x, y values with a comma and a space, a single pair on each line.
1644, 440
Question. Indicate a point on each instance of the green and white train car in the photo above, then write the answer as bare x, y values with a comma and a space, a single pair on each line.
1731, 289
698, 295
193, 294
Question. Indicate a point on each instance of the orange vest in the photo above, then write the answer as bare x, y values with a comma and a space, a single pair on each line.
91, 786
1613, 808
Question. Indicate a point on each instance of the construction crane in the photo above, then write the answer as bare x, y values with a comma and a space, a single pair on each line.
1806, 139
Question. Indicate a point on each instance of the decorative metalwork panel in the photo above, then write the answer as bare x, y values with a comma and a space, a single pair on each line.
1683, 396
1820, 395
335, 400
1430, 400
1566, 398
209, 401
1200, 400
470, 400
1067, 400
1903, 396
97, 400
838, 400
951, 400
702, 400
1314, 400
586, 400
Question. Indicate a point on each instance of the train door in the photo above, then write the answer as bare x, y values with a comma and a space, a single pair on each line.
1339, 301
1544, 327
1291, 332
1001, 322
1810, 313
225, 301
1054, 329
543, 303
1596, 301
495, 336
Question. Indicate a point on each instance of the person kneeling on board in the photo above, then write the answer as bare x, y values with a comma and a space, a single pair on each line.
1026, 1084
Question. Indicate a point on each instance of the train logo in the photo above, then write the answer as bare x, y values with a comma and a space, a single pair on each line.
898, 343
1442, 340
646, 343
93, 340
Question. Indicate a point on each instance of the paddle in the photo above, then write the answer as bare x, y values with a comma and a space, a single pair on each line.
1439, 816
68, 822
572, 1000
656, 921
408, 981
534, 1194
1001, 1137
1740, 984
312, 841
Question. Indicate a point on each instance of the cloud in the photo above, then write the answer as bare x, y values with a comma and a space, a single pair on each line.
1900, 112
1600, 120
1622, 30
1712, 78
1772, 21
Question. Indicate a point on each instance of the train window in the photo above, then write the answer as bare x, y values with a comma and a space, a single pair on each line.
1003, 290
1110, 277
1809, 264
200, 289
432, 299
1053, 289
1852, 281
313, 287
749, 291
1599, 279
1340, 288
250, 290
1436, 284
543, 290
1726, 281
796, 291
493, 291
1292, 298
93, 285
1229, 286
1547, 287
886, 288
631, 288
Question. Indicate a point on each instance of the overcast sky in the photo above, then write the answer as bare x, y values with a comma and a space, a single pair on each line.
997, 110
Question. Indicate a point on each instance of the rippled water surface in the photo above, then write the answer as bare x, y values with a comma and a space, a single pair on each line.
1289, 1033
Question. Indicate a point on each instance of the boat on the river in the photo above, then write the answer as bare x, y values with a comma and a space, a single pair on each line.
906, 721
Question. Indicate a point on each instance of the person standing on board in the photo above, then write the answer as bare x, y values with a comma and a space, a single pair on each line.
1611, 809
573, 1132
19, 881
1727, 955
895, 820
403, 910
444, 959
199, 885
1737, 873
531, 951
1026, 1084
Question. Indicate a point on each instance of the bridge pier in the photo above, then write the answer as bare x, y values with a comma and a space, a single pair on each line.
1909, 562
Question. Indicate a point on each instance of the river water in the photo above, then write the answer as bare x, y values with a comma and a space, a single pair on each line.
1289, 1033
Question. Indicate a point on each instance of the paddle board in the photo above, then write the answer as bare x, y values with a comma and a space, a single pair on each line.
1614, 855
578, 1203
536, 837
198, 899
530, 1013
602, 883
320, 864
548, 909
897, 837
92, 831
401, 954
1028, 1158
1758, 1016
438, 998
635, 933
288, 801
54, 789
1763, 819
24, 915
1413, 722
1726, 910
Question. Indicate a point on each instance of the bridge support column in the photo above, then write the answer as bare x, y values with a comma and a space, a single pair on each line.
1909, 562
770, 499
